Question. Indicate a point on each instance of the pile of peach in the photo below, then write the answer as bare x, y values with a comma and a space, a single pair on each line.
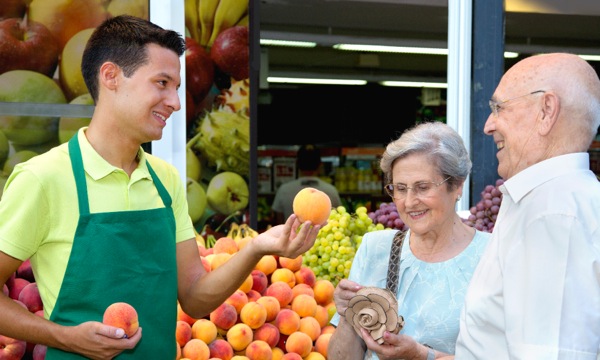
281, 311
22, 288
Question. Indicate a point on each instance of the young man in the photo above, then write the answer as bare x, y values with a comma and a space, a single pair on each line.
102, 221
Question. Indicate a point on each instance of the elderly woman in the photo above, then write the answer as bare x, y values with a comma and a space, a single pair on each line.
425, 170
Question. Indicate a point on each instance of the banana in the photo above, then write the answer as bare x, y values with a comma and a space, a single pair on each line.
244, 21
234, 231
228, 13
199, 239
191, 18
206, 14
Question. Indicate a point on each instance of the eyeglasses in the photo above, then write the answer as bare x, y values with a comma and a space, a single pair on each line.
421, 189
495, 106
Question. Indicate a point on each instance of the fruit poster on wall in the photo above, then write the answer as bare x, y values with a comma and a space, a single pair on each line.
218, 112
41, 45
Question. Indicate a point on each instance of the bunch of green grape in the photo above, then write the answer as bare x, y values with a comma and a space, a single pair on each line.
331, 256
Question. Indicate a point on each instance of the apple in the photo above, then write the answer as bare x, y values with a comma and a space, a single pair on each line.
231, 52
196, 199
28, 86
137, 8
12, 349
199, 70
13, 9
227, 192
69, 70
65, 18
27, 46
67, 127
190, 110
193, 166
25, 271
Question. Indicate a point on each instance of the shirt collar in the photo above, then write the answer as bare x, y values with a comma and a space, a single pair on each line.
95, 165
528, 179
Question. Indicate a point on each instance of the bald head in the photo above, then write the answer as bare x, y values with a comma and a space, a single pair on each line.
576, 85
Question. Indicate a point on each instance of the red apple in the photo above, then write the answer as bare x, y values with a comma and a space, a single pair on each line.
190, 109
231, 52
13, 9
199, 70
27, 46
25, 271
11, 349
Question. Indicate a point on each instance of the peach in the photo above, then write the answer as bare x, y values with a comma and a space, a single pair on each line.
304, 305
253, 295
177, 351
293, 264
268, 333
239, 357
272, 306
217, 260
182, 315
122, 315
25, 271
267, 264
259, 281
312, 205
322, 343
30, 296
302, 289
259, 350
310, 326
253, 314
287, 321
241, 243
5, 290
323, 291
225, 244
183, 332
291, 356
11, 348
306, 275
205, 263
285, 275
224, 316
247, 284
239, 336
327, 329
204, 330
39, 352
281, 291
322, 316
315, 356
220, 348
299, 343
277, 353
195, 349
238, 299
17, 286
331, 309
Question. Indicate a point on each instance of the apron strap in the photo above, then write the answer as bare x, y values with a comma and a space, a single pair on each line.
164, 194
77, 165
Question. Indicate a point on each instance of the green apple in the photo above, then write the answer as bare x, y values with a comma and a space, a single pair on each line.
27, 86
67, 127
196, 199
193, 165
227, 192
69, 68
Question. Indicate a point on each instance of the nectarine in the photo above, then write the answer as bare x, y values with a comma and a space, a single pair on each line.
313, 205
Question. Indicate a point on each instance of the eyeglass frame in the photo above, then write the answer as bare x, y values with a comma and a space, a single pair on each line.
495, 105
394, 186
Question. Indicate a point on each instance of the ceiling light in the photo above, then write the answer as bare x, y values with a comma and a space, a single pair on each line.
393, 49
292, 80
510, 55
590, 57
289, 43
419, 84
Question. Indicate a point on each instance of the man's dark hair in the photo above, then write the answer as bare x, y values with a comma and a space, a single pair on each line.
123, 40
308, 158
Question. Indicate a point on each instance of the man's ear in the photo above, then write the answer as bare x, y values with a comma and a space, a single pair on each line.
109, 75
548, 113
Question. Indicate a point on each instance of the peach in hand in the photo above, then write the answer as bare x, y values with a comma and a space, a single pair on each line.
122, 315
313, 205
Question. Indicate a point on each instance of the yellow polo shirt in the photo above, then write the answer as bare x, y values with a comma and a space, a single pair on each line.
39, 209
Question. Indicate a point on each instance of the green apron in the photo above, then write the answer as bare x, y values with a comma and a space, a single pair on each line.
121, 256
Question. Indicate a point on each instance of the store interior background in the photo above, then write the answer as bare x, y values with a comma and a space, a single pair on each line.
338, 117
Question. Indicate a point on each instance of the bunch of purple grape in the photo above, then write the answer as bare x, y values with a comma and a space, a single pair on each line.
484, 213
387, 215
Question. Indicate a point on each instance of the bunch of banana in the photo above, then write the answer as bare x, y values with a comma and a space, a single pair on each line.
205, 19
238, 232
200, 239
